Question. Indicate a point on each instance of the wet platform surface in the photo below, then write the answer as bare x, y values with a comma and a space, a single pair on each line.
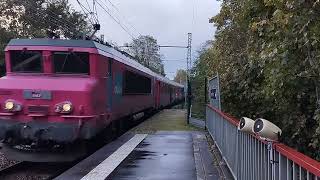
163, 156
161, 148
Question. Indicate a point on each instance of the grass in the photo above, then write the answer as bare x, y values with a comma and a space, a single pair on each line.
166, 120
198, 110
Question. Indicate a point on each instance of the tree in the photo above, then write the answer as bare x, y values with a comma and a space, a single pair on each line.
5, 37
38, 19
181, 76
267, 55
198, 80
146, 50
29, 19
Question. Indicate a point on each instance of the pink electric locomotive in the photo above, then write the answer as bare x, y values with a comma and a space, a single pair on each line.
60, 93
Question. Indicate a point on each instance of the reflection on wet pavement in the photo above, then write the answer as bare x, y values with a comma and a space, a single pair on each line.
160, 156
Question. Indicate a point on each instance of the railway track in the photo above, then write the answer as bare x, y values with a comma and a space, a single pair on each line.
11, 168
33, 171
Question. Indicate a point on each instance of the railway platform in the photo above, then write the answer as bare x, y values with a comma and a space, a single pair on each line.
161, 148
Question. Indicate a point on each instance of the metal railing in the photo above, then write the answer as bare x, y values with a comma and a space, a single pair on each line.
250, 158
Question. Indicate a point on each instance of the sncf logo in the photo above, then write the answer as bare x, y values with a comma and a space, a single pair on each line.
36, 95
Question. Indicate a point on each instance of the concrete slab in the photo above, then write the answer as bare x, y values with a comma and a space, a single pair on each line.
164, 155
160, 157
84, 167
197, 122
172, 150
207, 167
104, 169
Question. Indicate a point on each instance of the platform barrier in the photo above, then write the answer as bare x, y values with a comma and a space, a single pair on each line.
250, 158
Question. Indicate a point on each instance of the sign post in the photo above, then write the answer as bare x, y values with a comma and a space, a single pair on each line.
214, 92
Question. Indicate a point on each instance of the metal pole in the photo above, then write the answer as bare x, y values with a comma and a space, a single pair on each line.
189, 96
189, 54
189, 101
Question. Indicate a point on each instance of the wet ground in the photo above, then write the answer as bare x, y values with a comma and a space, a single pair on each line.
159, 157
169, 149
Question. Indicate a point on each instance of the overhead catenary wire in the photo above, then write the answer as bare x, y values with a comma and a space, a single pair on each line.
88, 5
173, 47
194, 12
180, 60
161, 46
114, 6
123, 17
64, 23
63, 28
87, 12
95, 11
194, 15
63, 20
106, 9
115, 18
170, 72
92, 12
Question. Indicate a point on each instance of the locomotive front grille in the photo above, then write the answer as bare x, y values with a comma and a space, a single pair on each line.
38, 109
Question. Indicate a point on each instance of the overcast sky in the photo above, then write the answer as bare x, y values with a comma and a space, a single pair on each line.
168, 21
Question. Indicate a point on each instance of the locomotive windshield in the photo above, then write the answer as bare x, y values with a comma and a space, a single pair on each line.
26, 61
71, 62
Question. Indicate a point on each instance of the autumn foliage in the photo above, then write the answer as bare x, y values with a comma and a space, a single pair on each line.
267, 54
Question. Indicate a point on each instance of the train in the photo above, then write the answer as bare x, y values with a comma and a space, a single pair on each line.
58, 93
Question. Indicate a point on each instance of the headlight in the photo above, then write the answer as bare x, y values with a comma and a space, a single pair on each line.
11, 105
64, 107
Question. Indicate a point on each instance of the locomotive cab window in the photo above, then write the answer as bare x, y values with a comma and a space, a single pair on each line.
26, 61
136, 84
71, 63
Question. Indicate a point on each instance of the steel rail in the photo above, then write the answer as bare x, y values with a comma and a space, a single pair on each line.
50, 172
13, 167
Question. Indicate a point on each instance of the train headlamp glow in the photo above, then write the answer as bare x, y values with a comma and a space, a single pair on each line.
12, 106
67, 107
64, 107
9, 105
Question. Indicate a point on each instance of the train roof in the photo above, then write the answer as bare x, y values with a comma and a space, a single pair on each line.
102, 49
